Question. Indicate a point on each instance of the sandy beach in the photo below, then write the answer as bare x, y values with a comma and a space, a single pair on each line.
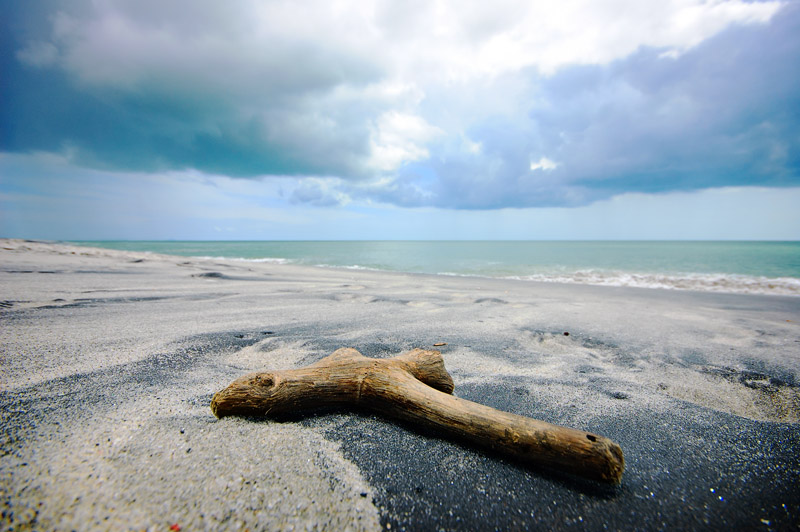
109, 360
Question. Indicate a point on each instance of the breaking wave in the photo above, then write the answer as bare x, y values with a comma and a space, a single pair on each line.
271, 260
703, 282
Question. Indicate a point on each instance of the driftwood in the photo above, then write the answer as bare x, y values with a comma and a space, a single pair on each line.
416, 387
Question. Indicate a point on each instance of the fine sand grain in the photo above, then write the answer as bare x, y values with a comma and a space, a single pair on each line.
109, 360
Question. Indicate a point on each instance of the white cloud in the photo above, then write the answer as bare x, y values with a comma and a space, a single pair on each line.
241, 45
399, 138
472, 146
544, 164
461, 41
250, 48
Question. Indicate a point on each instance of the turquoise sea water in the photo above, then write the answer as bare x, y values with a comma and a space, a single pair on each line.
741, 267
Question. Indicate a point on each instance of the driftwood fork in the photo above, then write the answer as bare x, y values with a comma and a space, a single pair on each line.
416, 387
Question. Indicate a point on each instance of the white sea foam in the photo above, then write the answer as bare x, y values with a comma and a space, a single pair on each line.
271, 260
350, 267
704, 282
354, 267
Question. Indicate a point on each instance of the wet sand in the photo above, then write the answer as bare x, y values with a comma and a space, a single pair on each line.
109, 360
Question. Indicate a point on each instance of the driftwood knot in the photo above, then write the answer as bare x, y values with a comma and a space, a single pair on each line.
416, 387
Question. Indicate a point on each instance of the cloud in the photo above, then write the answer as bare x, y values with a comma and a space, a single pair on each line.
720, 114
544, 164
399, 138
38, 54
44, 196
458, 41
318, 192
265, 88
449, 104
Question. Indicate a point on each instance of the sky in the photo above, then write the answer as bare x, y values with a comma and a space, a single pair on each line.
435, 119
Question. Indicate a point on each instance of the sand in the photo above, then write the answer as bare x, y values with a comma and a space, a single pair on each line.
109, 360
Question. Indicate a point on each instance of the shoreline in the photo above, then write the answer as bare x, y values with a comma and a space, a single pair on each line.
702, 280
110, 359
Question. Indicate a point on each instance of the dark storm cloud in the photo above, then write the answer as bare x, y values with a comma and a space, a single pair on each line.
170, 85
724, 113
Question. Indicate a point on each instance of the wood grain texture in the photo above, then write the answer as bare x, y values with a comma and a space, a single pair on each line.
416, 387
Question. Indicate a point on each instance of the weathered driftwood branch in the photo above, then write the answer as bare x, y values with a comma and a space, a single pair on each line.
416, 387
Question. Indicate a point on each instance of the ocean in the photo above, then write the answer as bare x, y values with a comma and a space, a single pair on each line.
733, 267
